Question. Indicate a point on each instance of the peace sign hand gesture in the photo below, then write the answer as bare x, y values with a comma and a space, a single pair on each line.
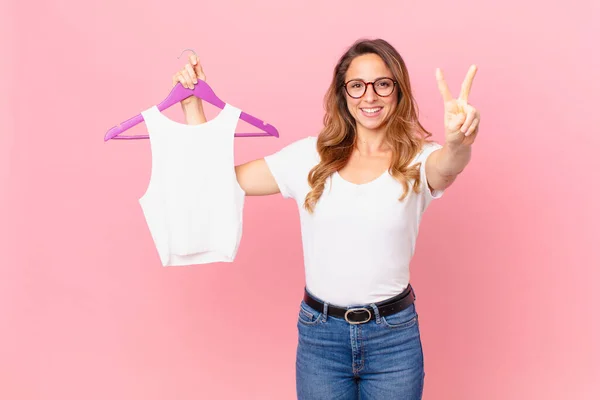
461, 120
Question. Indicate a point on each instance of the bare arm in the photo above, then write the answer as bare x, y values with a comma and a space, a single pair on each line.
445, 164
461, 124
256, 179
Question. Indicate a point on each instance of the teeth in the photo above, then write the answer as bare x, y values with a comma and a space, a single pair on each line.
371, 110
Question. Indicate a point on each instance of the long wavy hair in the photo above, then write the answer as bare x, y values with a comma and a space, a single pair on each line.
404, 133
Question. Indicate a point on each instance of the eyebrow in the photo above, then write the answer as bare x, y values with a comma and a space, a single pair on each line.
361, 79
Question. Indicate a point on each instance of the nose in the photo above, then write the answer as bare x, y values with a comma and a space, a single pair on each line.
370, 94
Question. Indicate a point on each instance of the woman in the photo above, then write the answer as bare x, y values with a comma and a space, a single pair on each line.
361, 186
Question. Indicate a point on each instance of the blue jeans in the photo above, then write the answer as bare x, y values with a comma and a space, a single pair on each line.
380, 359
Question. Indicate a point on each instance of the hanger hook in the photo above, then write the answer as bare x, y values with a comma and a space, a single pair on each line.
189, 50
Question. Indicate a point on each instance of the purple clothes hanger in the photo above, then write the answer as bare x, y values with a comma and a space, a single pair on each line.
201, 90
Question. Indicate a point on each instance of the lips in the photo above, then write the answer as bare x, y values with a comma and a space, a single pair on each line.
371, 111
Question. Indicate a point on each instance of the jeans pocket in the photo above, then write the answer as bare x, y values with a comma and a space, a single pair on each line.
308, 315
402, 319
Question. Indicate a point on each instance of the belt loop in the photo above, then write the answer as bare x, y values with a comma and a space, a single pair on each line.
376, 310
325, 308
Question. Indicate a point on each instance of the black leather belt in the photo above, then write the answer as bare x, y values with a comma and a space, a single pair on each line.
361, 315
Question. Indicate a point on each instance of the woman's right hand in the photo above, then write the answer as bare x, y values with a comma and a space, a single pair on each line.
188, 76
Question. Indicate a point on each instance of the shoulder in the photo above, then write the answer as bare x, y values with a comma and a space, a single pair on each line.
291, 164
307, 144
297, 156
301, 149
429, 147
426, 150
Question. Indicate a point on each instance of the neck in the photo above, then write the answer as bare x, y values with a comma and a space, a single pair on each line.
370, 141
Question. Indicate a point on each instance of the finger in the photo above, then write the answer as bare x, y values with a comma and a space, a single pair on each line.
195, 62
199, 72
179, 78
465, 89
473, 128
471, 114
442, 85
456, 122
186, 77
191, 73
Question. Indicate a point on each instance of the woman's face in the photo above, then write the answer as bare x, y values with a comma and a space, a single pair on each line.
370, 110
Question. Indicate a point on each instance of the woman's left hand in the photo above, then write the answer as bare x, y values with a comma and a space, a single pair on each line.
461, 120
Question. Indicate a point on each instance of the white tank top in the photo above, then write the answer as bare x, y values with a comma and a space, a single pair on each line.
193, 203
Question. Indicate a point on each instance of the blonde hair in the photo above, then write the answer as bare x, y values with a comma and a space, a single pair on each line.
404, 133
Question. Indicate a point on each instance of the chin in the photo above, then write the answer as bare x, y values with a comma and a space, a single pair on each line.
372, 125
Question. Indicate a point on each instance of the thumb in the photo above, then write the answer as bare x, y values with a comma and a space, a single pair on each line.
457, 121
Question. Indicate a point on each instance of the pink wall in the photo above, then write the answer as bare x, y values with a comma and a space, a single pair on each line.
507, 264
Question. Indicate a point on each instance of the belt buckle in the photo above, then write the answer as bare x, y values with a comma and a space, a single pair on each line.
354, 310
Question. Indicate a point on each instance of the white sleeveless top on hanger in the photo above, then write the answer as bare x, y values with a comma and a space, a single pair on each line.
193, 203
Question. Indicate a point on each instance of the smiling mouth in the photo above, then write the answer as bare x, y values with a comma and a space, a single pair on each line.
372, 111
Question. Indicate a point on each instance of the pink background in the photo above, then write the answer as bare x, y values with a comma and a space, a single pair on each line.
507, 263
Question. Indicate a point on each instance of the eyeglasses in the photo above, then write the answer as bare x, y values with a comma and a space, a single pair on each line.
383, 87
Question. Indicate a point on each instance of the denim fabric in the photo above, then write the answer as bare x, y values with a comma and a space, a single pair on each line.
381, 359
